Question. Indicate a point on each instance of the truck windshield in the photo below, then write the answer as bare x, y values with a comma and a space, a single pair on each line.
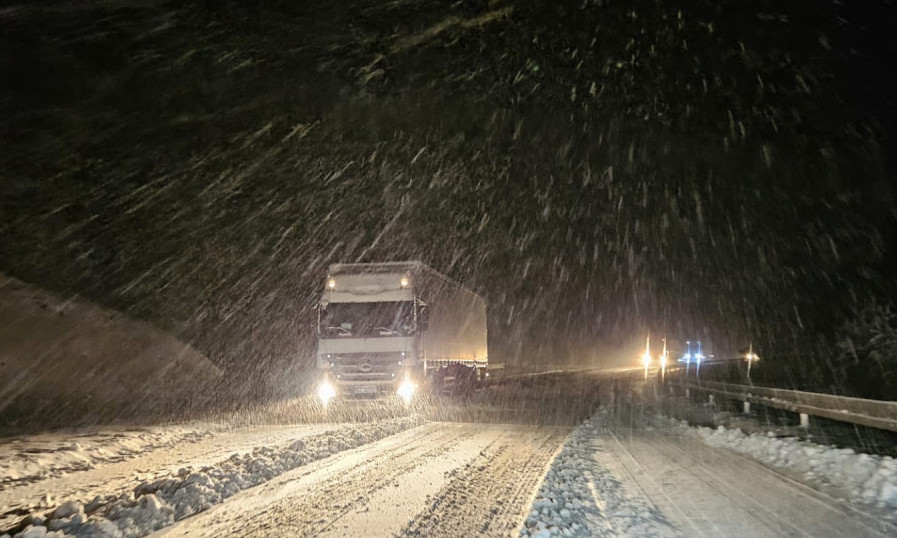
367, 320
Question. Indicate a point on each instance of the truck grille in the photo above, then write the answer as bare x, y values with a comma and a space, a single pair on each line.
368, 367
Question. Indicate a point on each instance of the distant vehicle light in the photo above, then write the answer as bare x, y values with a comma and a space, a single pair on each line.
646, 358
326, 392
331, 283
406, 390
404, 282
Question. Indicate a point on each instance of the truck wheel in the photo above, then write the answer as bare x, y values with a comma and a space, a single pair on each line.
467, 380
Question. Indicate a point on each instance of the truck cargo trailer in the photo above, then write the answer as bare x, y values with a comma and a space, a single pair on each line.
391, 328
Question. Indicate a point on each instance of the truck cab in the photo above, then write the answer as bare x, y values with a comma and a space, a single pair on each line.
382, 327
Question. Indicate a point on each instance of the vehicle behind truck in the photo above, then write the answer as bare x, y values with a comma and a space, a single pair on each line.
393, 328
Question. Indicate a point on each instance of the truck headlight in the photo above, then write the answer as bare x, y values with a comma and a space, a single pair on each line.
406, 390
326, 392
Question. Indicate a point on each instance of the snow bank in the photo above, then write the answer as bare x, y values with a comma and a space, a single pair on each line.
865, 478
159, 503
581, 497
36, 457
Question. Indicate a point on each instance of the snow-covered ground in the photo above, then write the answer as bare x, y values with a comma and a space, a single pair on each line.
65, 360
582, 497
148, 505
612, 476
217, 443
862, 478
630, 478
38, 457
439, 479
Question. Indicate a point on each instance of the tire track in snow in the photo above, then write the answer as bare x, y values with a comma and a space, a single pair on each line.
312, 501
713, 492
491, 494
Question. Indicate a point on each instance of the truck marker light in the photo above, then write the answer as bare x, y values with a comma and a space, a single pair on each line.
331, 283
404, 282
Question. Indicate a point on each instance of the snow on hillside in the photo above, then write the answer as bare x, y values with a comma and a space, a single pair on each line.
70, 358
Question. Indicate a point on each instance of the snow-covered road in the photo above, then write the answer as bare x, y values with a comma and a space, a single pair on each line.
376, 479
634, 478
83, 466
137, 493
440, 479
623, 472
706, 491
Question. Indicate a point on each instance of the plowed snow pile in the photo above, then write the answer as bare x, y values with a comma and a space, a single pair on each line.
156, 504
581, 497
864, 478
36, 457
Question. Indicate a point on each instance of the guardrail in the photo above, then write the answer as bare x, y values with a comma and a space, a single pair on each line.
872, 413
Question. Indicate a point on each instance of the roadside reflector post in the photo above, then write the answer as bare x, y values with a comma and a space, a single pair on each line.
747, 408
804, 420
711, 399
687, 393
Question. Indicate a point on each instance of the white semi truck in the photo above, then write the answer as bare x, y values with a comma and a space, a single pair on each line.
391, 328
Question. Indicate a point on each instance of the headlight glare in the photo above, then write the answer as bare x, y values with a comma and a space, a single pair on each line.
326, 392
406, 390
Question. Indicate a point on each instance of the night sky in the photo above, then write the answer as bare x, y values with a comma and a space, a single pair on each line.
595, 169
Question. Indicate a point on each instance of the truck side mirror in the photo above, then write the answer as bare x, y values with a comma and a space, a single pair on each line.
423, 318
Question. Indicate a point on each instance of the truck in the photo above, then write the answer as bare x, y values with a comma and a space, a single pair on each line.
394, 328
